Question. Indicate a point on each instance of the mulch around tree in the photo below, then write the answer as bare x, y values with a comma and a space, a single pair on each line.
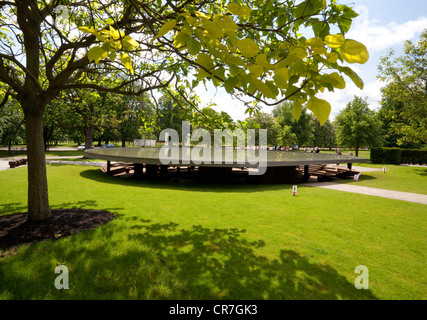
15, 230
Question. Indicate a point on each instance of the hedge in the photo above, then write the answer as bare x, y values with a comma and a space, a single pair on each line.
414, 156
398, 156
386, 155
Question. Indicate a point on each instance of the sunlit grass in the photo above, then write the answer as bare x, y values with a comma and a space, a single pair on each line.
399, 178
192, 241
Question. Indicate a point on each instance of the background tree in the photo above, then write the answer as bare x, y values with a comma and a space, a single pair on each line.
169, 114
157, 44
323, 135
301, 127
12, 130
266, 121
404, 98
130, 113
358, 126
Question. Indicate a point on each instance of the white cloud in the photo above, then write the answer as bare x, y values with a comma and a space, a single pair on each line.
340, 98
377, 36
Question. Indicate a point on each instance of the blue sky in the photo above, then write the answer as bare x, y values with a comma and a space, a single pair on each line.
382, 25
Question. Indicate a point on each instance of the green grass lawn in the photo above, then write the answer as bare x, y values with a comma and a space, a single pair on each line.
191, 241
399, 178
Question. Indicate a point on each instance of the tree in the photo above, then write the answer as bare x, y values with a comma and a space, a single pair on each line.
324, 135
266, 121
130, 113
169, 114
404, 97
11, 125
157, 44
358, 126
87, 111
301, 127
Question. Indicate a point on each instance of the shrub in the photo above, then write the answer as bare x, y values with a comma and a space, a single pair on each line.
386, 155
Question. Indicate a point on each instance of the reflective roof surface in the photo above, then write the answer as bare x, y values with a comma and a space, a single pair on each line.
218, 157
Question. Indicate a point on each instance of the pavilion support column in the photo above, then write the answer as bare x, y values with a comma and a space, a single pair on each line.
137, 170
108, 167
151, 170
306, 174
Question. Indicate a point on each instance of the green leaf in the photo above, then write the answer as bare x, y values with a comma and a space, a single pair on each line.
354, 52
321, 108
315, 43
228, 25
353, 76
248, 47
256, 70
335, 41
299, 52
242, 11
212, 28
97, 54
230, 83
181, 39
233, 8
168, 26
205, 60
332, 57
261, 60
245, 12
281, 77
87, 30
193, 46
264, 89
334, 80
126, 60
129, 43
296, 111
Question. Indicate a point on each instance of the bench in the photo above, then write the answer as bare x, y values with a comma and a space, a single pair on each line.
116, 168
17, 162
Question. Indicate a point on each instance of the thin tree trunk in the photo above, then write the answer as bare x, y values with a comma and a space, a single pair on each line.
38, 203
89, 138
9, 148
357, 151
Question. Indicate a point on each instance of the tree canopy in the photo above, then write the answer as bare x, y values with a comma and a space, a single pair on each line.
404, 97
358, 126
47, 47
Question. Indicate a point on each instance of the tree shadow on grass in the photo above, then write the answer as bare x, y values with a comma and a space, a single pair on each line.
164, 261
220, 263
8, 208
421, 172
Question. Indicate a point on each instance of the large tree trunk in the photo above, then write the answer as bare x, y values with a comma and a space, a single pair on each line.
38, 203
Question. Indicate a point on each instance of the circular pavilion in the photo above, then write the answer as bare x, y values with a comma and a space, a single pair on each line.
224, 165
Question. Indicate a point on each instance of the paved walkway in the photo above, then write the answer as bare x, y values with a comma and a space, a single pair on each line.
398, 195
4, 164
